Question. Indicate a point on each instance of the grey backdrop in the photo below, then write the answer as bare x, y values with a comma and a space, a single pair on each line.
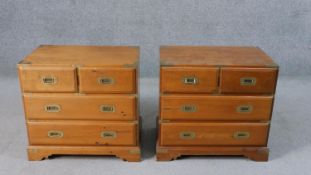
280, 27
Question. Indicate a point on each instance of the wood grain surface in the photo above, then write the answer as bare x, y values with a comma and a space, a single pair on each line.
123, 80
232, 56
80, 107
215, 107
173, 80
213, 134
110, 56
81, 133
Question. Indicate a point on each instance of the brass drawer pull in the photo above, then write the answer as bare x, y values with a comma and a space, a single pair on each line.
52, 108
49, 80
108, 134
55, 134
187, 135
248, 81
241, 135
105, 80
107, 108
188, 108
244, 109
190, 80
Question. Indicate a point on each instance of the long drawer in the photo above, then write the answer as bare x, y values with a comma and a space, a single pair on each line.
81, 133
235, 134
214, 107
76, 106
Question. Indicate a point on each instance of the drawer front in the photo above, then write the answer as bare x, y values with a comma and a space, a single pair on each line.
248, 80
107, 80
72, 106
48, 79
81, 133
252, 134
183, 80
207, 107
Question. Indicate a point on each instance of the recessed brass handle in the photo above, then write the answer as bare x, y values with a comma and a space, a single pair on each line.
108, 134
105, 80
49, 80
187, 135
244, 109
241, 135
188, 108
107, 108
52, 108
55, 134
190, 80
248, 81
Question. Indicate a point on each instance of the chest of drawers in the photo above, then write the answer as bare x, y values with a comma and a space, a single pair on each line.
81, 100
215, 101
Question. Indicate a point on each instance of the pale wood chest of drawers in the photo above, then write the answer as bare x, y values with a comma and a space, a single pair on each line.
81, 100
215, 101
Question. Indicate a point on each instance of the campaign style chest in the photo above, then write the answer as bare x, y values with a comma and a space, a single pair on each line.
215, 101
81, 100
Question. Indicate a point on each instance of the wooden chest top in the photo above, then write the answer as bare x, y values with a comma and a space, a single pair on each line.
214, 56
112, 56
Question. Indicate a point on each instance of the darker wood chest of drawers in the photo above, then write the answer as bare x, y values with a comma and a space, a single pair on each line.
81, 100
215, 101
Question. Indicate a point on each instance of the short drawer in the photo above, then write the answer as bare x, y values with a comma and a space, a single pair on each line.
185, 80
248, 80
81, 133
214, 107
78, 106
252, 134
107, 80
47, 79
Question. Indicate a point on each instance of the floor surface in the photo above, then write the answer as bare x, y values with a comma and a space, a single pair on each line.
290, 140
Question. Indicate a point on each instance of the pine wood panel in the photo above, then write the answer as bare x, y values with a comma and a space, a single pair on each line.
32, 79
110, 56
173, 80
77, 106
230, 80
123, 80
214, 56
214, 107
81, 133
213, 134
